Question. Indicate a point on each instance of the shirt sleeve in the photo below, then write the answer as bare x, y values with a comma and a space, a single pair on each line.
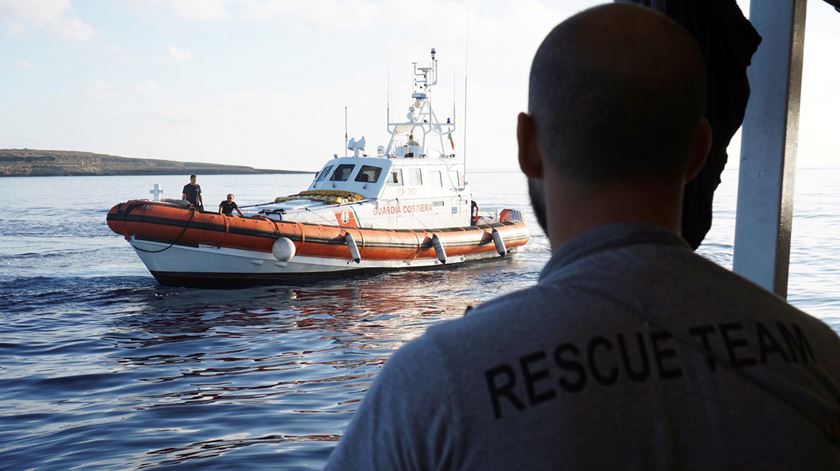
405, 421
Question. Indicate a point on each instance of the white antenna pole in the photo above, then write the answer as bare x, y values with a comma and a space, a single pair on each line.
454, 98
388, 108
345, 131
466, 73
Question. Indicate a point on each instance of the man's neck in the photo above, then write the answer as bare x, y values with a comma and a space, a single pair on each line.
573, 211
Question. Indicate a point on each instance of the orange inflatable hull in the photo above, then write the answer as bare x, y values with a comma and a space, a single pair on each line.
172, 224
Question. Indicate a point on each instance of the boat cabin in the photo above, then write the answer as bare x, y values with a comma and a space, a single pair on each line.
383, 178
400, 193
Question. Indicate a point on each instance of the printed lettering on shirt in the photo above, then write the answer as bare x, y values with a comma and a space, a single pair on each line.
604, 360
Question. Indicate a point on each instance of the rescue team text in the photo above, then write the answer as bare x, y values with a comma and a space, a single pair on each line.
639, 357
406, 208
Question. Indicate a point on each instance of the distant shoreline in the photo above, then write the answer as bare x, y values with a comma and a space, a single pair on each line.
62, 163
200, 174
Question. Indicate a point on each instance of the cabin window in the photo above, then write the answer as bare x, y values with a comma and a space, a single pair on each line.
414, 177
395, 178
455, 178
369, 174
342, 173
321, 176
434, 178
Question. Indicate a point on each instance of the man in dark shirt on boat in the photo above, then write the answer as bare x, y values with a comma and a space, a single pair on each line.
228, 206
192, 193
632, 351
411, 144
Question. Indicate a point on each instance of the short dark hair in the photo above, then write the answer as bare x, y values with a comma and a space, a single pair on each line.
614, 98
193, 176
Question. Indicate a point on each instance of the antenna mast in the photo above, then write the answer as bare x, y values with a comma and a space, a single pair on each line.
466, 73
345, 131
421, 120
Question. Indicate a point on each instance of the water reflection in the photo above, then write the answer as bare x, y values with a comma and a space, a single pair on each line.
104, 368
218, 447
218, 362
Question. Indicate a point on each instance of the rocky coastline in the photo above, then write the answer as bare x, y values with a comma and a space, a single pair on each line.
53, 163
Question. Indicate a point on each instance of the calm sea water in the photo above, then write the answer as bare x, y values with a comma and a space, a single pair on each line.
100, 367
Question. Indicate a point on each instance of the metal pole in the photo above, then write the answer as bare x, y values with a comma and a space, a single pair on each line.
768, 146
345, 131
466, 73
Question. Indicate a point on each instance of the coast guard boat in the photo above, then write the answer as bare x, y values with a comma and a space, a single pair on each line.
407, 207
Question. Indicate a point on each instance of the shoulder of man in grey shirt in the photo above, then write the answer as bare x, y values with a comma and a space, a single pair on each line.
631, 352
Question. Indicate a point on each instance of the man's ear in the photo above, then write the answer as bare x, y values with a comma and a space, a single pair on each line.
530, 158
699, 150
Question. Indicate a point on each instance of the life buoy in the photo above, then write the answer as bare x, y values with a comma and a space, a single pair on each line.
473, 213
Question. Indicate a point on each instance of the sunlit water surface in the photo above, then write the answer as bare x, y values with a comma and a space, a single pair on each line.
102, 367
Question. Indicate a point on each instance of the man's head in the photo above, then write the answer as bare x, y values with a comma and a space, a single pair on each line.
192, 179
616, 98
230, 197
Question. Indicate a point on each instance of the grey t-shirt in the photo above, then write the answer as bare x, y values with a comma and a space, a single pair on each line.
631, 352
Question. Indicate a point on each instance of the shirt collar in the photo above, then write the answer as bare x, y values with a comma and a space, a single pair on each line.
609, 237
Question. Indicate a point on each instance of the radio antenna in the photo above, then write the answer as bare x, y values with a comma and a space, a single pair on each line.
466, 74
454, 98
345, 131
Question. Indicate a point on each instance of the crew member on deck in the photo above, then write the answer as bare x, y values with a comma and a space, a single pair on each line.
228, 206
192, 193
411, 144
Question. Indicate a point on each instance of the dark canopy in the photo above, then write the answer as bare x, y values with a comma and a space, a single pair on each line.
728, 42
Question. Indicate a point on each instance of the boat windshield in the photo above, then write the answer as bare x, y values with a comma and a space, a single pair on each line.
369, 174
321, 176
342, 173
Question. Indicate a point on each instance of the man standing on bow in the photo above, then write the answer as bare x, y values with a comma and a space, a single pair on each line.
192, 193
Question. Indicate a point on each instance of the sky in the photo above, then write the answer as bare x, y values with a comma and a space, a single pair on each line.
265, 82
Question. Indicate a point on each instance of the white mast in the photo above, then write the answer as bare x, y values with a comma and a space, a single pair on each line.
345, 131
420, 118
466, 73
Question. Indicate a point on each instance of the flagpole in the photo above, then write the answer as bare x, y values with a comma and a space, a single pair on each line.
345, 131
466, 74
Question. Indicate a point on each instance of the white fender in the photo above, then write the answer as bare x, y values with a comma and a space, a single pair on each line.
283, 249
354, 250
500, 243
440, 251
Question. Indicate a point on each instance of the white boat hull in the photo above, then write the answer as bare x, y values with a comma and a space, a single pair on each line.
209, 265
